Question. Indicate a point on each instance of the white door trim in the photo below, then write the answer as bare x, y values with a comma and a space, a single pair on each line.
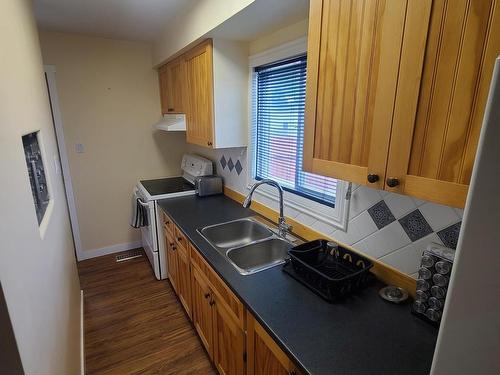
50, 73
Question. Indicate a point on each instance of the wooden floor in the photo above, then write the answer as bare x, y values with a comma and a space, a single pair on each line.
134, 323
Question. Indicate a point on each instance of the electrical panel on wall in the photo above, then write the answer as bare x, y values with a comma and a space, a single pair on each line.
36, 171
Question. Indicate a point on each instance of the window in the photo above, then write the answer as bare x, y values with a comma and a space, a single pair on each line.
279, 130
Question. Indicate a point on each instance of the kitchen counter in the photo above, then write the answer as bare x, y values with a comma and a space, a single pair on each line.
361, 335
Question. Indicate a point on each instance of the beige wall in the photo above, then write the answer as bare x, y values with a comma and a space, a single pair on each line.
37, 272
188, 28
109, 100
279, 37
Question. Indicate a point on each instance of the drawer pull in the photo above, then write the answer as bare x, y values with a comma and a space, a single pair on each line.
207, 295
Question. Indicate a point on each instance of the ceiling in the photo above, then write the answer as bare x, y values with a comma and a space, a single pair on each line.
262, 17
146, 19
121, 19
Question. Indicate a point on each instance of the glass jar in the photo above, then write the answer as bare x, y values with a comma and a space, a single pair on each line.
424, 273
443, 267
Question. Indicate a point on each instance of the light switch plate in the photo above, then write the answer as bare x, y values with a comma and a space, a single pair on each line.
79, 148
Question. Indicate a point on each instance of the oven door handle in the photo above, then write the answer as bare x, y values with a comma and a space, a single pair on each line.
142, 203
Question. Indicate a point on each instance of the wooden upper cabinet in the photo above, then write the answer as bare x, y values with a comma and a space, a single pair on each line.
396, 92
211, 89
199, 94
440, 103
172, 87
353, 59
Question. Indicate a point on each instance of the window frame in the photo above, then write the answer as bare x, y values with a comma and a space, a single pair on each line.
304, 209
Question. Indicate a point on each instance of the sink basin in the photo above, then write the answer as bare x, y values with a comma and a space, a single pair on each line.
259, 256
235, 233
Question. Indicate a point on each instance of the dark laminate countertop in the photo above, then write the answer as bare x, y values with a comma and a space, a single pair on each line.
362, 335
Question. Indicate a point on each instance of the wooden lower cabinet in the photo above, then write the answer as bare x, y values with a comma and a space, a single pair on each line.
172, 260
218, 316
184, 280
202, 310
229, 342
264, 356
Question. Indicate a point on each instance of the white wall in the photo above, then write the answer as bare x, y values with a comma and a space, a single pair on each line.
188, 28
38, 275
469, 338
109, 101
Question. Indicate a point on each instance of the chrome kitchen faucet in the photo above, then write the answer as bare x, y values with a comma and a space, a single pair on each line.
283, 227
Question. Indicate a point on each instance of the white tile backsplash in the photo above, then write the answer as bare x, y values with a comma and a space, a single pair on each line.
438, 216
359, 228
399, 204
362, 199
407, 258
385, 240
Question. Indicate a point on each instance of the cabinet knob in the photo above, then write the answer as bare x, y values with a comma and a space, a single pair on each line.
207, 295
170, 110
212, 302
392, 182
172, 244
372, 178
209, 143
174, 248
179, 239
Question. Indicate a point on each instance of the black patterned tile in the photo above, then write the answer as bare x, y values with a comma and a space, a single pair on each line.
381, 214
449, 235
230, 164
415, 225
223, 162
238, 167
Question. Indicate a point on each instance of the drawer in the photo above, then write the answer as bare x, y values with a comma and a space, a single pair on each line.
219, 287
169, 224
180, 238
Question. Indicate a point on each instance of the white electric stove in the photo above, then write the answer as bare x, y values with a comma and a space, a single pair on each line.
148, 192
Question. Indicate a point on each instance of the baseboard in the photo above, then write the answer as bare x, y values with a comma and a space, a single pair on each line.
88, 254
82, 334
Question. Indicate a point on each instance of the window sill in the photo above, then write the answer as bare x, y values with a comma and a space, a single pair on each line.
306, 210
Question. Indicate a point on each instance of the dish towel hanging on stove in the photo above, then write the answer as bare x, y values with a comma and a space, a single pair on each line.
139, 213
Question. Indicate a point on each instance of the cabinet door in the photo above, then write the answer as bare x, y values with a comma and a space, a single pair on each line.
440, 107
264, 355
202, 310
199, 94
175, 87
229, 342
184, 280
172, 82
353, 59
172, 260
163, 78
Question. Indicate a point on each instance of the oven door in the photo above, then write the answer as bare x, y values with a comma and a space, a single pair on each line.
148, 233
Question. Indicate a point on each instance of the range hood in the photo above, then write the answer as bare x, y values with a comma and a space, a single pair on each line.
172, 122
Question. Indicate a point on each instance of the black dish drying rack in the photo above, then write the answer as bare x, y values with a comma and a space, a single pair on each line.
331, 273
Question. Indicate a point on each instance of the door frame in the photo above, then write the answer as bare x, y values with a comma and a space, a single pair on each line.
50, 75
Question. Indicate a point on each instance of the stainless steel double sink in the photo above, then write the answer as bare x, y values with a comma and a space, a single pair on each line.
249, 245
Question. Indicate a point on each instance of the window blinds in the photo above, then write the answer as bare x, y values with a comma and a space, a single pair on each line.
279, 134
